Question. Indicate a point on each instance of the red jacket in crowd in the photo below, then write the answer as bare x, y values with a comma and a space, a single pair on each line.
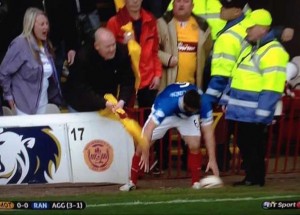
150, 65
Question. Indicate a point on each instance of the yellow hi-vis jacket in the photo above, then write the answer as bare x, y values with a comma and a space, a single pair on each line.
227, 49
257, 83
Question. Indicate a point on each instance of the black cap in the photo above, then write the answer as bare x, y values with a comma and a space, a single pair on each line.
234, 3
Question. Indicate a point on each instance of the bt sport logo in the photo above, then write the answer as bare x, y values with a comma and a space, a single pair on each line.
267, 205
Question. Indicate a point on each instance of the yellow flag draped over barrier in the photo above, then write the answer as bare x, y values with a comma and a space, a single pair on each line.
130, 125
134, 50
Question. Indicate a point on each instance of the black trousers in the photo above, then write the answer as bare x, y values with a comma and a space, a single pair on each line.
251, 142
146, 97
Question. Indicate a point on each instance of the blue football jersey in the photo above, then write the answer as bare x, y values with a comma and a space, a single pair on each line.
170, 102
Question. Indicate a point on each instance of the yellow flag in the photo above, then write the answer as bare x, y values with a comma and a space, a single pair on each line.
130, 125
135, 52
119, 4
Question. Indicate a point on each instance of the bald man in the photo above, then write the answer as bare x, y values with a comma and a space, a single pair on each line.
100, 67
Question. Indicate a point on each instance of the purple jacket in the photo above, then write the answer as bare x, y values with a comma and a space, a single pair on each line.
21, 75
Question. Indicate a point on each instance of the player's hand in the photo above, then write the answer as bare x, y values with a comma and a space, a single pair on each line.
144, 162
212, 165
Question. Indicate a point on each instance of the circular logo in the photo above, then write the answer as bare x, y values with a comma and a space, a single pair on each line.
266, 205
98, 155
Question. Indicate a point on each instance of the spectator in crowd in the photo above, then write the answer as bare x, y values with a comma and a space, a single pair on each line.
88, 20
210, 11
27, 73
156, 7
100, 67
177, 106
257, 85
145, 34
62, 19
285, 22
63, 35
185, 43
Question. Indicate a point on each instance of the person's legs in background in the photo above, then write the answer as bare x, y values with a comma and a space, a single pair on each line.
251, 142
146, 97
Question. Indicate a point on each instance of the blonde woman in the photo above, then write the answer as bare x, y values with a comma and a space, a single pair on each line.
27, 73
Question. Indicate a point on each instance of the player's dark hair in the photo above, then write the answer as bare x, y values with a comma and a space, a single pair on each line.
192, 99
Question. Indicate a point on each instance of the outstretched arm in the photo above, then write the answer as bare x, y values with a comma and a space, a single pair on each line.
147, 134
209, 138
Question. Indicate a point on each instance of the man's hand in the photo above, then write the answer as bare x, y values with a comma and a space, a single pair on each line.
71, 57
287, 34
128, 36
155, 83
173, 61
119, 105
11, 104
110, 106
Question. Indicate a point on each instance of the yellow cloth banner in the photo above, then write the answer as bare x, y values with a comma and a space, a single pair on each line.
135, 52
119, 4
130, 125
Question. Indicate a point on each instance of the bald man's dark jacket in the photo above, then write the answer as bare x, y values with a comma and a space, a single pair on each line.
91, 77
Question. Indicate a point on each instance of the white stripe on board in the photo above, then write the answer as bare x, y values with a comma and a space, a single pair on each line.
176, 201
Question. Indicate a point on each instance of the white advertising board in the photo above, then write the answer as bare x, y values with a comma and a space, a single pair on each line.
55, 148
101, 151
35, 154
